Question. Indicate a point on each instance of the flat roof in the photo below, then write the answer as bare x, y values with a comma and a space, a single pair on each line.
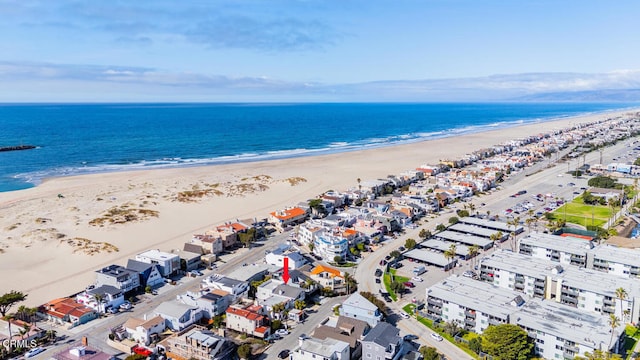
490, 224
617, 255
566, 322
477, 295
566, 244
464, 238
462, 250
576, 277
429, 257
246, 273
472, 229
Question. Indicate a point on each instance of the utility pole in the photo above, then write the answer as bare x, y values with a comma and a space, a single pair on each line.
601, 156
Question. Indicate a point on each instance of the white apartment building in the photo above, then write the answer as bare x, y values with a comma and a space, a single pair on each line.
585, 289
276, 257
565, 250
168, 263
328, 246
559, 331
614, 260
473, 304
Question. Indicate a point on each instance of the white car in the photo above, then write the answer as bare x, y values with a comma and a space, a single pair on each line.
282, 332
417, 279
33, 352
125, 306
436, 337
404, 315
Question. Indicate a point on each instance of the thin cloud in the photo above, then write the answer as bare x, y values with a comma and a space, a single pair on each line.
242, 32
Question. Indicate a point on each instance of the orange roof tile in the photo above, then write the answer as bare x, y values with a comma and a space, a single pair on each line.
321, 268
261, 329
288, 213
349, 232
244, 313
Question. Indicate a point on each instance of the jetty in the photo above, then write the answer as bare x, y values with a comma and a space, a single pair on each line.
16, 148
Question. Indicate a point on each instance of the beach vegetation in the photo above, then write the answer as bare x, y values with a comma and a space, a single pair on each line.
441, 227
375, 301
462, 213
424, 234
122, 215
293, 181
89, 247
429, 353
605, 182
244, 351
454, 220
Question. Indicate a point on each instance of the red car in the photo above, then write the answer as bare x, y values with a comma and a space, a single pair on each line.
409, 284
142, 350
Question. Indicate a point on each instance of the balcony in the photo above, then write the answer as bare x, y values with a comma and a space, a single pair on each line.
634, 271
538, 282
525, 251
609, 302
571, 347
568, 355
569, 292
470, 314
470, 322
486, 277
609, 309
532, 334
495, 322
434, 310
432, 301
520, 278
569, 300
518, 286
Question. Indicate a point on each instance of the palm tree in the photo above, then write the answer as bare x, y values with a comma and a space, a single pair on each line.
474, 250
472, 208
488, 214
359, 181
450, 255
515, 222
614, 322
621, 294
350, 282
98, 298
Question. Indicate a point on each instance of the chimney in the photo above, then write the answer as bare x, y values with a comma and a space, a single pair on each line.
85, 341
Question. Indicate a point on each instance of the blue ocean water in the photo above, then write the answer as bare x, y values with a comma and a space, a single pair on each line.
89, 138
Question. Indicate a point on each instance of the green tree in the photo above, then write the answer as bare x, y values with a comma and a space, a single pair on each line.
424, 234
275, 325
375, 301
429, 353
614, 322
311, 246
453, 220
462, 213
398, 287
148, 289
244, 351
599, 355
507, 342
440, 227
473, 251
410, 244
475, 345
350, 282
247, 237
217, 321
7, 301
337, 259
299, 304
395, 254
603, 182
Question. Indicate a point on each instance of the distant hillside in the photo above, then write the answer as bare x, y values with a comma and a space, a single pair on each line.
608, 95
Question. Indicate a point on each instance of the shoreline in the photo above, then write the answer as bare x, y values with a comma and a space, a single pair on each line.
36, 178
38, 224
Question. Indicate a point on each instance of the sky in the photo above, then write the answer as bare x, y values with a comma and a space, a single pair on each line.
313, 50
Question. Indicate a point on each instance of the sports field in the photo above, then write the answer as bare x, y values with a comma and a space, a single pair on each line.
577, 212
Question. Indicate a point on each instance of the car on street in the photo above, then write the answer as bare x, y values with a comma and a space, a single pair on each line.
416, 279
404, 315
409, 284
112, 310
387, 298
378, 273
436, 337
282, 332
378, 281
383, 262
283, 354
33, 352
388, 257
469, 274
410, 337
125, 306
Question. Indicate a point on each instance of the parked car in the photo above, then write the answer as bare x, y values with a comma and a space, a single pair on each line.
469, 274
416, 279
378, 281
195, 273
125, 306
436, 337
378, 273
33, 352
282, 332
404, 315
283, 354
112, 310
383, 262
409, 284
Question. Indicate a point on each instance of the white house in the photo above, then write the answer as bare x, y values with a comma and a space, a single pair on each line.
109, 296
357, 307
141, 330
314, 349
276, 257
168, 263
234, 287
178, 316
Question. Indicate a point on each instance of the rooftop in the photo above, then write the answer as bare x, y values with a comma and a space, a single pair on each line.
359, 301
325, 347
472, 229
567, 244
477, 295
429, 257
469, 239
489, 224
617, 255
383, 334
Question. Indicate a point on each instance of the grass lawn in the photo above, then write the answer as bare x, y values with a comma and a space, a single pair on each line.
387, 282
576, 212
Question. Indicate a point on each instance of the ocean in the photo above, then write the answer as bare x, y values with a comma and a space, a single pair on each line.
92, 138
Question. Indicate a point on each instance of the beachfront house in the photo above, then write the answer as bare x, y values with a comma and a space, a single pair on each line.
101, 298
177, 315
169, 263
327, 277
236, 288
273, 292
148, 274
143, 331
67, 311
210, 243
282, 219
119, 277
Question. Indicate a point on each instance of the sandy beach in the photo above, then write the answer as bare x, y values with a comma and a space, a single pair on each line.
51, 244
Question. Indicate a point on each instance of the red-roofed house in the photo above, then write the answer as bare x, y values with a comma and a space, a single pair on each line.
327, 277
289, 216
247, 321
66, 310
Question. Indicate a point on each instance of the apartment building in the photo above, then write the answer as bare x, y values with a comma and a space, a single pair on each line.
563, 249
119, 277
168, 263
585, 289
